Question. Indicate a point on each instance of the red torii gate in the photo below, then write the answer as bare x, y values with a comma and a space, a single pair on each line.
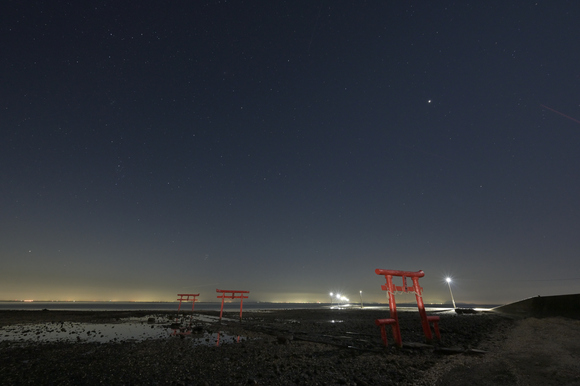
233, 295
187, 298
393, 321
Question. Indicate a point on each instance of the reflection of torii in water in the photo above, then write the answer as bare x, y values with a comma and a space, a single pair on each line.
562, 114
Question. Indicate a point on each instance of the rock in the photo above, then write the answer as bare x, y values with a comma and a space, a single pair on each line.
284, 339
197, 329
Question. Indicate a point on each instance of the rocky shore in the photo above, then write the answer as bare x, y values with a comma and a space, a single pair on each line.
286, 347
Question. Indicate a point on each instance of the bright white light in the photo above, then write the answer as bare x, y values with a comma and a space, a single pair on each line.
331, 294
448, 280
338, 296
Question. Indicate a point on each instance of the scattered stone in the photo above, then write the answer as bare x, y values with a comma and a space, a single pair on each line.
284, 339
266, 357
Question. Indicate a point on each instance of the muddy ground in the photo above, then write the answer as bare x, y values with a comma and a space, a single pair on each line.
287, 347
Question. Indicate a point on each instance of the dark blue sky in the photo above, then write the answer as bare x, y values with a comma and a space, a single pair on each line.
288, 148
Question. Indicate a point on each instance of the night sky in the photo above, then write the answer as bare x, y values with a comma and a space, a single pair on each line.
289, 148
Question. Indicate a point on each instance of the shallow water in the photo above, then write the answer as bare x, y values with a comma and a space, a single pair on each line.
127, 330
152, 306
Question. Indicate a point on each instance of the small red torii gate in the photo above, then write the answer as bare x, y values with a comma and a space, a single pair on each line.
233, 295
187, 298
393, 321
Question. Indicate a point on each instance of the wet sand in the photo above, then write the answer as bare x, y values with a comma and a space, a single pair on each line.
286, 347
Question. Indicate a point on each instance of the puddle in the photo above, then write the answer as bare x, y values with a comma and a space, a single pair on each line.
188, 319
193, 327
225, 339
83, 332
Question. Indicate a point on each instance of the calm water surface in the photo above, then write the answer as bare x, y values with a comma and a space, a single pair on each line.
199, 306
153, 306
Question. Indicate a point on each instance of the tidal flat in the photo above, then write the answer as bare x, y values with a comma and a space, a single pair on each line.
282, 347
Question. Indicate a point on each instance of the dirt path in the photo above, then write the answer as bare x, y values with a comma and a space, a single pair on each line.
536, 352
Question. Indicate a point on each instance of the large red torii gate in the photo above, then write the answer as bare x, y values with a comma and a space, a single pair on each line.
393, 321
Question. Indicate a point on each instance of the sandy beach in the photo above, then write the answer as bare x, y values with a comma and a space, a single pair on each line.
285, 347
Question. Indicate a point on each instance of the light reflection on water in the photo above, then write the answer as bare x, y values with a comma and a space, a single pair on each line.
82, 332
127, 330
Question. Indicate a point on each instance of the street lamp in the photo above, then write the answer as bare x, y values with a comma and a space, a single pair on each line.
448, 280
361, 302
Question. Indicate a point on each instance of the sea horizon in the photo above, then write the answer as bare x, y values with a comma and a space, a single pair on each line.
89, 305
